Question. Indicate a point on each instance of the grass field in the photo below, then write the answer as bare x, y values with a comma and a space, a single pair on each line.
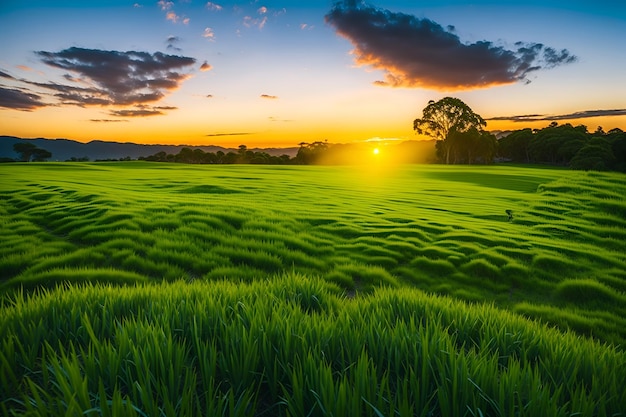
243, 290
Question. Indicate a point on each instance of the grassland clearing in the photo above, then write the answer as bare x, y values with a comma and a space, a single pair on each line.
388, 249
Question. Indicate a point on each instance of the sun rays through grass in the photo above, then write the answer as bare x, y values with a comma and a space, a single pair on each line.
282, 289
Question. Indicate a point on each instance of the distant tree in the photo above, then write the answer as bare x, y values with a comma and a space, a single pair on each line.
557, 144
596, 155
444, 120
28, 151
514, 146
311, 153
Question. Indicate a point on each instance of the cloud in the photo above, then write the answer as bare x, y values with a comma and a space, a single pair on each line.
6, 75
275, 119
214, 7
209, 96
165, 5
570, 116
209, 34
136, 112
269, 97
230, 134
172, 41
416, 52
249, 21
19, 100
262, 10
107, 120
116, 78
206, 66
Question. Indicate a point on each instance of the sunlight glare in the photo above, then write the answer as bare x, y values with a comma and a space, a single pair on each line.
376, 151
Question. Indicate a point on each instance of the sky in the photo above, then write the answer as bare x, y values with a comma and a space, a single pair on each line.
277, 73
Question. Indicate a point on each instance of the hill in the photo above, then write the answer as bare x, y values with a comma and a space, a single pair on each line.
64, 149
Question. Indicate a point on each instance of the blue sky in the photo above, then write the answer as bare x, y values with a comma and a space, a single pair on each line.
276, 73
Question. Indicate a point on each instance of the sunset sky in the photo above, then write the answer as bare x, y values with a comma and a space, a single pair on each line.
277, 73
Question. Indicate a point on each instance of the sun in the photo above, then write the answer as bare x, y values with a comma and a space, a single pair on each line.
376, 151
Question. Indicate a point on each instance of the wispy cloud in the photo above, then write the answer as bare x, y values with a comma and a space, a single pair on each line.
249, 21
6, 75
416, 52
269, 97
214, 7
11, 98
108, 120
209, 34
136, 112
172, 43
570, 116
230, 134
276, 119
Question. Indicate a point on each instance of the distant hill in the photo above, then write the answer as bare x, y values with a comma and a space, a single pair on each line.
64, 149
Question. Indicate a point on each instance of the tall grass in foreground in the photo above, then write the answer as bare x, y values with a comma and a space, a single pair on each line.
291, 346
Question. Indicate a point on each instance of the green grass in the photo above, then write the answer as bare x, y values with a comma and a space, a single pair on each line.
291, 346
307, 281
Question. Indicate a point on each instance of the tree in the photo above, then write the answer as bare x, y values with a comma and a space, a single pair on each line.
444, 118
28, 151
40, 155
515, 145
596, 155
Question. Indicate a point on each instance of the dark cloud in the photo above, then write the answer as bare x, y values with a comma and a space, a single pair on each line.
571, 116
269, 97
136, 113
5, 75
117, 78
172, 43
206, 66
230, 134
19, 100
416, 52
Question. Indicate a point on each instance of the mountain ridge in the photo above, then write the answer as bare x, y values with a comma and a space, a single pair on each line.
64, 149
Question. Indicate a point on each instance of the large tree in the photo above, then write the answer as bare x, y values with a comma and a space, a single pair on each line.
28, 151
446, 117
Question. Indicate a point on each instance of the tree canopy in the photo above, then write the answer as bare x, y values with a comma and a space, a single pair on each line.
28, 151
453, 124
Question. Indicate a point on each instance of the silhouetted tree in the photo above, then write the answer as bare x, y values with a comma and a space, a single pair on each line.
446, 117
28, 151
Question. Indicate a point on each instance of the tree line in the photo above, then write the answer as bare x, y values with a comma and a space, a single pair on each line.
461, 139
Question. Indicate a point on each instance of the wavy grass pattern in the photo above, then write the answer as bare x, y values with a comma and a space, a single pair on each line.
368, 243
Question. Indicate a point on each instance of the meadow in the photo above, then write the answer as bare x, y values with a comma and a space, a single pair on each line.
165, 289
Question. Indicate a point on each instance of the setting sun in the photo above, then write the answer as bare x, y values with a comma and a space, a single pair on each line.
376, 151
